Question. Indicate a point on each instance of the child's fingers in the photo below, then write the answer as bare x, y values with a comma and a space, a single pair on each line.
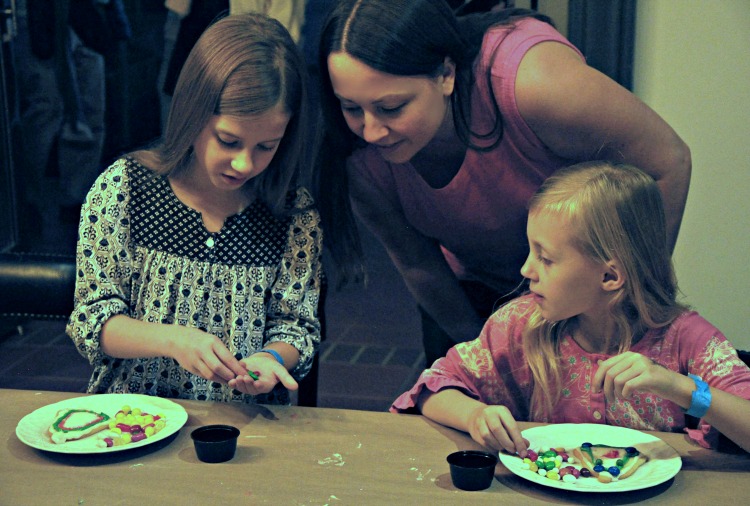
598, 380
225, 365
621, 377
242, 385
505, 432
286, 379
607, 370
491, 434
520, 445
626, 382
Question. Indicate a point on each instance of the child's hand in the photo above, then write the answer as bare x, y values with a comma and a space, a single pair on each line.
203, 354
494, 427
621, 375
268, 371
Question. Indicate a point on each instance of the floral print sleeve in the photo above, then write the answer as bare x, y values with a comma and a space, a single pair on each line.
103, 261
490, 368
293, 312
706, 353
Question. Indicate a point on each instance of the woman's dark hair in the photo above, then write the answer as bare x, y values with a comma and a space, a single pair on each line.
405, 38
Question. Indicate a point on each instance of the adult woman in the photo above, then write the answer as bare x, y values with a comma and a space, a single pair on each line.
199, 260
448, 126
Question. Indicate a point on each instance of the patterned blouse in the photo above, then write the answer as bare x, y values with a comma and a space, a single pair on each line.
143, 253
494, 370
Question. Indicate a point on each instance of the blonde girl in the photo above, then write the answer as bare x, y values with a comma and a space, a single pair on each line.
600, 337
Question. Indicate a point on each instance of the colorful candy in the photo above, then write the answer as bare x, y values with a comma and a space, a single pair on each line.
133, 425
550, 463
556, 464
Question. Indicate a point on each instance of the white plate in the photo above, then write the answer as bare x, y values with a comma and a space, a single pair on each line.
663, 464
33, 428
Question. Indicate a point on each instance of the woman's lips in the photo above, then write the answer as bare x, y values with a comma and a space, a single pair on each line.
388, 147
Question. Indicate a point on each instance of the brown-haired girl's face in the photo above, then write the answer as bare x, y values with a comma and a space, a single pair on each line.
398, 114
230, 151
564, 281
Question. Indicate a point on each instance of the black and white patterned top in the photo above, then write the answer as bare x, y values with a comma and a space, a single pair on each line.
143, 253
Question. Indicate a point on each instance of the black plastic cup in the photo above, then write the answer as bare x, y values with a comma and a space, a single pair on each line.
215, 443
472, 469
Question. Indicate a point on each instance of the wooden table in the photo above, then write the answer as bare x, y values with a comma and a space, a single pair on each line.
311, 456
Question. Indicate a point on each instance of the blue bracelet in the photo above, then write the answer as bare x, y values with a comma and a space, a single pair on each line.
701, 398
274, 353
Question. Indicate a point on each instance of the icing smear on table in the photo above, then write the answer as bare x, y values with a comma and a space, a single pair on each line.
336, 459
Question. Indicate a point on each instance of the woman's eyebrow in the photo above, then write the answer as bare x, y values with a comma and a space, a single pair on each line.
384, 98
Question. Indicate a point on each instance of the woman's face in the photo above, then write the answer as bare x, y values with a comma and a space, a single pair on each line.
400, 115
230, 151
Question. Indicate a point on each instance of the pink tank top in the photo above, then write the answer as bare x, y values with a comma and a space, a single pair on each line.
479, 218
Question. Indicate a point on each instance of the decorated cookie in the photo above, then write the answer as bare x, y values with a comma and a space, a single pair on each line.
71, 424
603, 462
609, 462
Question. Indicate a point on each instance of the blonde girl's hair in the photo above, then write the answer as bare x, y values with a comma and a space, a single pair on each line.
617, 214
242, 65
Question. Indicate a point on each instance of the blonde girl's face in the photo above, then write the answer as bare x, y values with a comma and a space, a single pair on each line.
230, 151
564, 281
397, 114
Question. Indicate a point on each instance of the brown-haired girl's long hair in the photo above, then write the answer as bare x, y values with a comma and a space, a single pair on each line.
617, 213
242, 65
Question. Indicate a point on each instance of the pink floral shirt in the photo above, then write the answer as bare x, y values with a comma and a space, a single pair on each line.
493, 369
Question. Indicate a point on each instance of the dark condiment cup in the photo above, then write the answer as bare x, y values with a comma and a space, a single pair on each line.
472, 469
215, 443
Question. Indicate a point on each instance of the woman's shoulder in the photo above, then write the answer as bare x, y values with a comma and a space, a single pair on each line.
505, 45
520, 30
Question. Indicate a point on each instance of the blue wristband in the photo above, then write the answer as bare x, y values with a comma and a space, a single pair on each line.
274, 353
701, 398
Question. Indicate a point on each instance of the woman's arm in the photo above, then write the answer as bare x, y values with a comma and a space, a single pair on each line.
581, 114
419, 260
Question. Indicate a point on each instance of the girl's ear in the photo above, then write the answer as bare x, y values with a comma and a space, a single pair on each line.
449, 76
614, 276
